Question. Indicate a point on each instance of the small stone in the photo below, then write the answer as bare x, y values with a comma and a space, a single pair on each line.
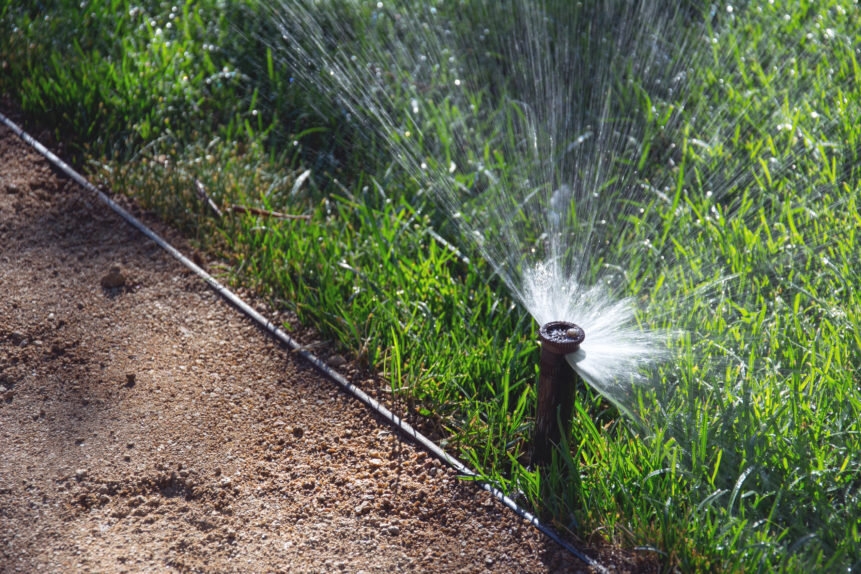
375, 463
298, 432
363, 508
394, 530
114, 279
337, 361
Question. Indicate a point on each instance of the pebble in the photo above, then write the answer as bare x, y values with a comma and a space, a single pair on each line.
337, 361
394, 530
114, 278
298, 432
80, 474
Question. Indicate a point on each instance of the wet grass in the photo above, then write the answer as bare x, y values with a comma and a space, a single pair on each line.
751, 449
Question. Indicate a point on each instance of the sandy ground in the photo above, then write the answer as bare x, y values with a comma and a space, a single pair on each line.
145, 426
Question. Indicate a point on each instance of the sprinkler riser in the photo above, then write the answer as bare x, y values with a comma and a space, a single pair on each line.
556, 384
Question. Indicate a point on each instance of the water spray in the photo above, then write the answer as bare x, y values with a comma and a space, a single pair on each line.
556, 383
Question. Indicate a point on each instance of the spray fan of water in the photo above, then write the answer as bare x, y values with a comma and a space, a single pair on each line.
560, 139
681, 183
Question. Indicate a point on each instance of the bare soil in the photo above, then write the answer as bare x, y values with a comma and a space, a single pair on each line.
145, 425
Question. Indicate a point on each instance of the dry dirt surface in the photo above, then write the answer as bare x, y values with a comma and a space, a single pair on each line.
146, 426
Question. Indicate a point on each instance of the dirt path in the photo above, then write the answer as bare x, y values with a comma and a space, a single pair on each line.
146, 426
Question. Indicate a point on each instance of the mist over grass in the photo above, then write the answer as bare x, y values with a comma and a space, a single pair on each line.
734, 226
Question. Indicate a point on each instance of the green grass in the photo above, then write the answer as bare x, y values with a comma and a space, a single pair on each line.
750, 453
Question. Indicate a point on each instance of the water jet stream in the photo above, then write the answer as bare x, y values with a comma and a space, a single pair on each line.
659, 175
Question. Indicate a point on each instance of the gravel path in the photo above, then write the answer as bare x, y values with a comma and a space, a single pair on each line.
146, 426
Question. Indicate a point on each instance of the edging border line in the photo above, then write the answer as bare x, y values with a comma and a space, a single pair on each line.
404, 427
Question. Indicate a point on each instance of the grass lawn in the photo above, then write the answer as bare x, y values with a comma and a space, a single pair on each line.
742, 241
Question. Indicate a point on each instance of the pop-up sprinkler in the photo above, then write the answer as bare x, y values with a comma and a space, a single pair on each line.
556, 382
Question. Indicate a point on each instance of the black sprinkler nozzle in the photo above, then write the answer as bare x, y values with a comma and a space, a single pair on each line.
556, 383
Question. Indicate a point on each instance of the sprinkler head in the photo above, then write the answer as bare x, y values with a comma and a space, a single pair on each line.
556, 382
561, 337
